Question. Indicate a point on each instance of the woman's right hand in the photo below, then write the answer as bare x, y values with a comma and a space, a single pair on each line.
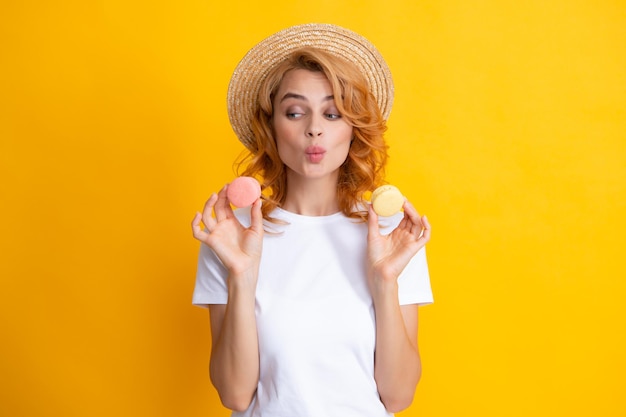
238, 248
234, 365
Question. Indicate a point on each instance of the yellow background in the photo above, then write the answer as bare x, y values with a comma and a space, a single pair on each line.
508, 131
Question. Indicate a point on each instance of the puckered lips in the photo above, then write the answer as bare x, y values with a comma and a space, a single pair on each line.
315, 153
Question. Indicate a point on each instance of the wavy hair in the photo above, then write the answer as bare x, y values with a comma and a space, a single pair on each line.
364, 167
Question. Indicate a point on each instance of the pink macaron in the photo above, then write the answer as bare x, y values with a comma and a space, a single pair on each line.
243, 191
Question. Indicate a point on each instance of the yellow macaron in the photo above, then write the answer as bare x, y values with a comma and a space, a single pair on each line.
387, 200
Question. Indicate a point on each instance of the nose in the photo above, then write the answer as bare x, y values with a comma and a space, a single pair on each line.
314, 128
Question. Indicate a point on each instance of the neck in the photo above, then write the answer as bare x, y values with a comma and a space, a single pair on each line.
312, 197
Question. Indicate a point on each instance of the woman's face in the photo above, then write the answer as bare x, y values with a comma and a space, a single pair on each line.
312, 137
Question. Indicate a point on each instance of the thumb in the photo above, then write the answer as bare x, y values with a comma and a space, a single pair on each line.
372, 223
256, 217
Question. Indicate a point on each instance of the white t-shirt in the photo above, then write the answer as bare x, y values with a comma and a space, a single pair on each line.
315, 316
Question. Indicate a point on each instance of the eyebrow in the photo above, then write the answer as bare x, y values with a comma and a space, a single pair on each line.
303, 98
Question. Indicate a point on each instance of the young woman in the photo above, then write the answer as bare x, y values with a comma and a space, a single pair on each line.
313, 298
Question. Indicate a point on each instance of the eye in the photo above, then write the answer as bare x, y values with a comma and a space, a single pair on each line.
332, 113
294, 112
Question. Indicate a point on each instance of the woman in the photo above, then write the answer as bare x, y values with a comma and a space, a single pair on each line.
313, 298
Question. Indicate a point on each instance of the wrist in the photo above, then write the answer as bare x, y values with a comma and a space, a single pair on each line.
384, 291
244, 281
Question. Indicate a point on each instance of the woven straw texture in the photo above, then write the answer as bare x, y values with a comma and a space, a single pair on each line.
256, 64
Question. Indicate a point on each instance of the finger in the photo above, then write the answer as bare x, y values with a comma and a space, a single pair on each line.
419, 226
256, 217
411, 213
411, 221
427, 228
426, 231
207, 212
196, 229
372, 222
222, 206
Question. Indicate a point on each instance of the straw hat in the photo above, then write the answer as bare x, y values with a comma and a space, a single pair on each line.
256, 64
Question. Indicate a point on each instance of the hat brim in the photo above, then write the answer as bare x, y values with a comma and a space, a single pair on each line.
251, 71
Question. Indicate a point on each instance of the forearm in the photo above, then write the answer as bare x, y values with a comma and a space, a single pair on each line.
235, 355
397, 362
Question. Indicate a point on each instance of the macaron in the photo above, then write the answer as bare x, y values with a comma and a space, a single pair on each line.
243, 191
387, 200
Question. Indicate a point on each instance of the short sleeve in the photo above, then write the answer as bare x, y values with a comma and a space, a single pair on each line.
414, 281
211, 278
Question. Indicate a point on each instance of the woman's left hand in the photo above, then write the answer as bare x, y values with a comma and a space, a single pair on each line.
388, 255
